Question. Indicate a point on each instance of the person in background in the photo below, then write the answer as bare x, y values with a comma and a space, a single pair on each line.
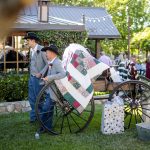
1, 56
7, 50
1, 46
148, 68
46, 44
1, 50
105, 59
122, 66
116, 59
38, 61
143, 65
119, 58
138, 67
112, 57
125, 55
132, 70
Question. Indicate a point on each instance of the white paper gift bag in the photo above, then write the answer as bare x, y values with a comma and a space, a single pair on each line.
113, 116
115, 75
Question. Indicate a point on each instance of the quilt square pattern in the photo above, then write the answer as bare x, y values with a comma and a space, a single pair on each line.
77, 86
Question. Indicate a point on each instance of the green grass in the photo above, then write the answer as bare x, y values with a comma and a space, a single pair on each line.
16, 133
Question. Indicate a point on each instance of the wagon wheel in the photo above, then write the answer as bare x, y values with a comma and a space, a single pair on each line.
64, 118
136, 97
144, 79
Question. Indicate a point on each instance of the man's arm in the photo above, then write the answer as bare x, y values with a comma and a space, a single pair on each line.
43, 71
44, 57
60, 72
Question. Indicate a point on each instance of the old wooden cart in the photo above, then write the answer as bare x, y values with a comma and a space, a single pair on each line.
64, 118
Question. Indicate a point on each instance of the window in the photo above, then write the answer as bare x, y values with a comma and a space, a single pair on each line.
14, 54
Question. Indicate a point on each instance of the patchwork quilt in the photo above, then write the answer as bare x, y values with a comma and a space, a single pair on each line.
81, 69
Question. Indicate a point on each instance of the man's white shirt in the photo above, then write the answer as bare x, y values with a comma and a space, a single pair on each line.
33, 50
50, 62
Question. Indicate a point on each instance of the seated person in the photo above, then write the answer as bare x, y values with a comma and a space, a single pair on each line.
105, 59
132, 70
52, 71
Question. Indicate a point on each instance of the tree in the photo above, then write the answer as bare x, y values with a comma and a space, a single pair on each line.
74, 2
138, 10
141, 40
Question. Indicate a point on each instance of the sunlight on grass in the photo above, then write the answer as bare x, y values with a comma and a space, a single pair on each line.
16, 133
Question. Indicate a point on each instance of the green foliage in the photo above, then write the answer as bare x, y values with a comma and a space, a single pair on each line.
74, 2
114, 46
90, 44
120, 10
141, 40
138, 10
62, 38
13, 87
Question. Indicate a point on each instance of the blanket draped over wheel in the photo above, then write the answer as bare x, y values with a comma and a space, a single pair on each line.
81, 69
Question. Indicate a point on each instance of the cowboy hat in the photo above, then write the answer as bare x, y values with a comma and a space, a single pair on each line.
51, 48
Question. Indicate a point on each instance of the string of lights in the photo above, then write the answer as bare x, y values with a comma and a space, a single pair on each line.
103, 18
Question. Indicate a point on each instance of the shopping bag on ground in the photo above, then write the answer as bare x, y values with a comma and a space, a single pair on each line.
113, 116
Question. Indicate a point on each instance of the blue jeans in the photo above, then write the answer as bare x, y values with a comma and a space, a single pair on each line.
34, 89
47, 112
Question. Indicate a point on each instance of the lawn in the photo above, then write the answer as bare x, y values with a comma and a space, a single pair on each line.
16, 133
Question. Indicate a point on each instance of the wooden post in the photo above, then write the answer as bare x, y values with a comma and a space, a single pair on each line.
5, 70
97, 47
17, 47
83, 19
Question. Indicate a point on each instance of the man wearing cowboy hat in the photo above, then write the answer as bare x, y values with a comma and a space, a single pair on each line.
37, 63
52, 71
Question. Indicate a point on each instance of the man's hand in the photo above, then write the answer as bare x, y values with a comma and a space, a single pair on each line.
38, 75
45, 79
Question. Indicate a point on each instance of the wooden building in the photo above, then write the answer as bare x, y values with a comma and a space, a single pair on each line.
43, 16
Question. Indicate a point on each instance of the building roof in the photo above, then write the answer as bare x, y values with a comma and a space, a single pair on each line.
98, 22
31, 23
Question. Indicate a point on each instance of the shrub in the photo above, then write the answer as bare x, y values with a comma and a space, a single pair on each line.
62, 38
13, 87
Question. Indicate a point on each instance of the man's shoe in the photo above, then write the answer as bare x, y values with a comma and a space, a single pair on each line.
41, 130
